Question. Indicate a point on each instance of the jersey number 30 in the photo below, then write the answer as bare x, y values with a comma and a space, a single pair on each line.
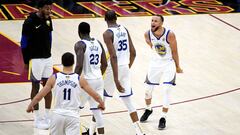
122, 45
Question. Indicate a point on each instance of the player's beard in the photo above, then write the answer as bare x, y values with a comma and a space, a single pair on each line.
155, 29
46, 16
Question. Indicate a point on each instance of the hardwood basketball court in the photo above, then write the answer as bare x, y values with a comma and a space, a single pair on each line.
206, 99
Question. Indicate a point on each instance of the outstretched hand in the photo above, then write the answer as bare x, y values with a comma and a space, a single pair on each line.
30, 109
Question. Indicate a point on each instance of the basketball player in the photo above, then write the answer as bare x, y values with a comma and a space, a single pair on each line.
163, 65
67, 88
91, 59
36, 45
122, 55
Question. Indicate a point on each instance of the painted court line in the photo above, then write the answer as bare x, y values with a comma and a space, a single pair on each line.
221, 20
176, 103
13, 102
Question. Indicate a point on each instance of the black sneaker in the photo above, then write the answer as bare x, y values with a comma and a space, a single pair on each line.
146, 114
87, 133
162, 123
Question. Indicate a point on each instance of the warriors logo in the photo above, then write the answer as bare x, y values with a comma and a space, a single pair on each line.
160, 49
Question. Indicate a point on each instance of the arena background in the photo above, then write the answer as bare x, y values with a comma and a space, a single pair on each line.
206, 99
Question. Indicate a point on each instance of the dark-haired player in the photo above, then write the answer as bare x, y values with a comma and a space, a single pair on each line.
67, 87
163, 66
36, 46
92, 63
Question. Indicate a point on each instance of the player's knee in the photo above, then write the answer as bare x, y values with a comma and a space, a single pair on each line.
166, 89
166, 95
166, 102
148, 92
128, 104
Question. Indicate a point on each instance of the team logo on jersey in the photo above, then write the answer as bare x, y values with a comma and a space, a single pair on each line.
160, 49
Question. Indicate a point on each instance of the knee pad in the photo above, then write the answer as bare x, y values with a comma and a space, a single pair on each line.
128, 103
98, 117
148, 92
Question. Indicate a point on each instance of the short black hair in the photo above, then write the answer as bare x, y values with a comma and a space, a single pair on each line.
67, 59
42, 3
110, 15
161, 17
83, 28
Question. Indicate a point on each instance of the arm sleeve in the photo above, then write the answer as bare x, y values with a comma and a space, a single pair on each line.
26, 32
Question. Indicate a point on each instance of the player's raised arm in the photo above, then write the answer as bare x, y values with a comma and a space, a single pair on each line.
45, 90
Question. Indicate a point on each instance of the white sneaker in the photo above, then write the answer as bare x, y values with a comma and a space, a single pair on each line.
36, 122
46, 121
42, 124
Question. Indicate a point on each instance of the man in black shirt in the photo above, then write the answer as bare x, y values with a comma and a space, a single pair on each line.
36, 45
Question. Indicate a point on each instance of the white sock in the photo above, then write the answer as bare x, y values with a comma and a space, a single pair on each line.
47, 112
92, 128
164, 114
149, 107
36, 114
138, 128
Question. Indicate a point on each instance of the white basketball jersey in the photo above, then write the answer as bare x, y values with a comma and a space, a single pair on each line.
161, 48
92, 60
121, 44
67, 94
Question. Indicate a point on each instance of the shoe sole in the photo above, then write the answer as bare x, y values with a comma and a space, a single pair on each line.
144, 121
159, 128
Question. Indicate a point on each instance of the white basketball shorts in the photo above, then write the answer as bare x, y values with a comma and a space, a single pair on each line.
41, 69
166, 73
124, 78
64, 125
97, 85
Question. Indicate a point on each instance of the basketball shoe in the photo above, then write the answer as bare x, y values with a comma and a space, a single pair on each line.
41, 124
162, 123
146, 114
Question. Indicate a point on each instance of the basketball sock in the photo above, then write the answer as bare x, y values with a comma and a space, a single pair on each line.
138, 128
47, 111
36, 114
92, 128
149, 107
164, 114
